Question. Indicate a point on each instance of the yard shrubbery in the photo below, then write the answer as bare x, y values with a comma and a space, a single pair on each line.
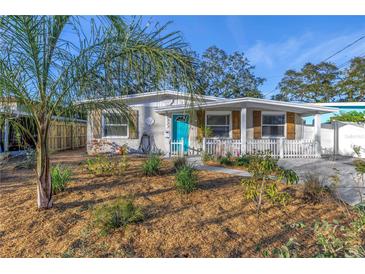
152, 165
59, 178
179, 163
314, 189
336, 240
262, 185
186, 179
117, 214
107, 165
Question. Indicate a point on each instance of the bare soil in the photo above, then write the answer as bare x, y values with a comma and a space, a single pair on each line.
213, 221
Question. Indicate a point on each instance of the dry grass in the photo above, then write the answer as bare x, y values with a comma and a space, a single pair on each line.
213, 221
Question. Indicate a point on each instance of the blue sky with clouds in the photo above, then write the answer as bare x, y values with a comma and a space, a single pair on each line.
274, 43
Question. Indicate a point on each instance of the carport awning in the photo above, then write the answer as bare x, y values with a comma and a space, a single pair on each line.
247, 102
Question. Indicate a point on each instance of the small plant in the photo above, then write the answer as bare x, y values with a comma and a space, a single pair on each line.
360, 177
225, 161
107, 165
59, 178
314, 190
206, 157
357, 150
152, 165
243, 160
262, 166
186, 179
289, 175
275, 196
250, 189
179, 163
289, 250
116, 214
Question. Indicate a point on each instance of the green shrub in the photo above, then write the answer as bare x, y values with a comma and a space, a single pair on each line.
107, 165
289, 175
289, 250
250, 189
275, 196
152, 165
179, 163
206, 157
225, 161
186, 179
116, 214
314, 190
59, 178
243, 160
337, 241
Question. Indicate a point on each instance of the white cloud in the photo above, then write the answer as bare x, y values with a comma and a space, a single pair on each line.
296, 51
269, 54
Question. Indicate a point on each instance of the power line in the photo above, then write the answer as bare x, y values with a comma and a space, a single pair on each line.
348, 61
338, 52
346, 47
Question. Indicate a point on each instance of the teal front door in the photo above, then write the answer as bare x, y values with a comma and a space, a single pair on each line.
180, 129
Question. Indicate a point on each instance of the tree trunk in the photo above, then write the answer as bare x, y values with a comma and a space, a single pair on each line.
44, 187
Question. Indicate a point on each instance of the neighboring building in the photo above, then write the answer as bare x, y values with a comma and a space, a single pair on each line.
341, 106
64, 133
169, 122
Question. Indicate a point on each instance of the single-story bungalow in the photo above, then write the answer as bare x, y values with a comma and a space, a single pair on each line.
169, 122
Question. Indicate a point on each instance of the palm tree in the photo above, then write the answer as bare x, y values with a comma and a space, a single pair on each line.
48, 63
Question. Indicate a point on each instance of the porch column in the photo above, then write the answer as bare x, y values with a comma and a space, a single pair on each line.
6, 135
317, 134
243, 130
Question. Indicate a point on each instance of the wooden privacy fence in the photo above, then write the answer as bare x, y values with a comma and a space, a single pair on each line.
278, 148
67, 135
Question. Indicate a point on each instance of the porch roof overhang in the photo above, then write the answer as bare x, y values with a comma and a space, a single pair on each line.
248, 102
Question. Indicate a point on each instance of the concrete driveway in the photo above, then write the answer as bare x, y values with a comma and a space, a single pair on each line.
348, 189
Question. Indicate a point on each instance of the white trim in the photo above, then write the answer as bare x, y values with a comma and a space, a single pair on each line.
227, 102
114, 136
273, 113
220, 112
150, 94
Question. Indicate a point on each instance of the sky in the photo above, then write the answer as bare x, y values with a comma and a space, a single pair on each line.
274, 44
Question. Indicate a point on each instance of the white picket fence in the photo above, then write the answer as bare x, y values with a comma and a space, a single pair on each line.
222, 146
278, 148
177, 148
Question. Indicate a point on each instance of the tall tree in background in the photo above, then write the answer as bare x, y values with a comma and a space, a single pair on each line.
46, 71
352, 85
229, 76
313, 83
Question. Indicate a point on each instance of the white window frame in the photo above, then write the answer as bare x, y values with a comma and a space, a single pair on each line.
262, 123
114, 136
218, 112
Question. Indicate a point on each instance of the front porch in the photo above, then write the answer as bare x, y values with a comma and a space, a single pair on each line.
245, 126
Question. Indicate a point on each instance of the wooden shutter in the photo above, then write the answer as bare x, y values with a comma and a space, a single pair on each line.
257, 124
133, 125
290, 125
200, 123
96, 123
236, 124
